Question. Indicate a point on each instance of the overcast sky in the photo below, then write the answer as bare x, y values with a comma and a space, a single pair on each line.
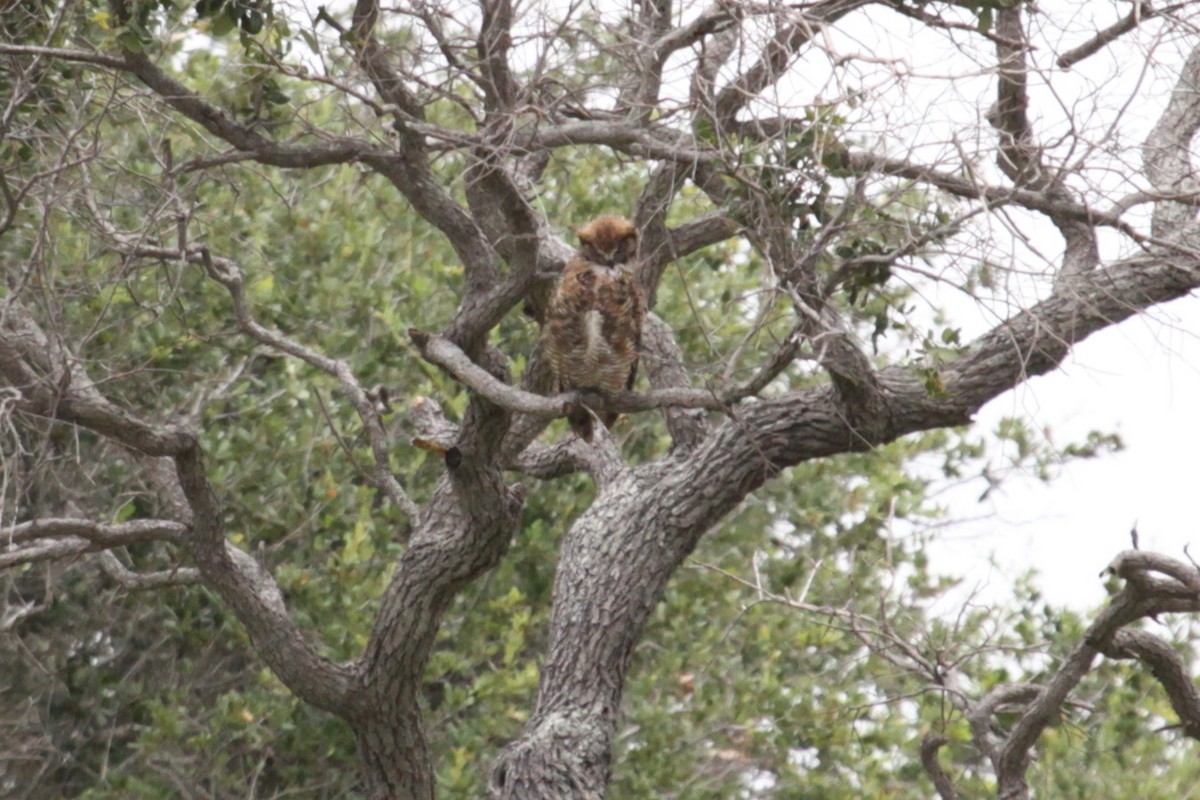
1140, 379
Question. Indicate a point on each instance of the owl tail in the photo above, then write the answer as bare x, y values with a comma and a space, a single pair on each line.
582, 421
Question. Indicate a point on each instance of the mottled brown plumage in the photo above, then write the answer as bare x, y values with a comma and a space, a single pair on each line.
594, 318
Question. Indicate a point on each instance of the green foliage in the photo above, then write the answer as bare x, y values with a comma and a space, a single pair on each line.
249, 15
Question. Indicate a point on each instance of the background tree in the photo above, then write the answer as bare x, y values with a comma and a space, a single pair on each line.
281, 512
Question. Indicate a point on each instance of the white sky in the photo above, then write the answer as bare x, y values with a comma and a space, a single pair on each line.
1140, 379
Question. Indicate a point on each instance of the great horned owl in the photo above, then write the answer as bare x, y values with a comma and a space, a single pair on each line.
594, 317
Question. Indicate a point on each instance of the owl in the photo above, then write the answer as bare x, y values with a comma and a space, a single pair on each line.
594, 316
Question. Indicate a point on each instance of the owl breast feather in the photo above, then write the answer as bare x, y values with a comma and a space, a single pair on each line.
592, 329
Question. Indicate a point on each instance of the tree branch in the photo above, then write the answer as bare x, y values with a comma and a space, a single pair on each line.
663, 361
544, 461
1143, 595
146, 581
52, 384
981, 715
255, 598
1168, 156
994, 196
104, 535
1141, 12
229, 275
642, 82
493, 45
1166, 666
930, 745
78, 56
717, 18
63, 391
777, 56
651, 143
410, 172
444, 353
1019, 157
217, 122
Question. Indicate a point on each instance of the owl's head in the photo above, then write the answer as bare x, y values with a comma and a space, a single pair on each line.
608, 240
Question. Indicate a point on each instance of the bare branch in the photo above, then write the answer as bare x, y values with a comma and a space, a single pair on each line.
650, 143
1142, 568
218, 123
1141, 12
53, 384
699, 233
935, 21
55, 550
493, 45
437, 434
1019, 157
650, 217
411, 173
229, 275
644, 141
1167, 667
1142, 596
843, 358
549, 461
374, 57
67, 394
716, 18
641, 85
1168, 156
78, 56
146, 581
659, 245
664, 365
254, 596
793, 30
99, 533
445, 354
981, 715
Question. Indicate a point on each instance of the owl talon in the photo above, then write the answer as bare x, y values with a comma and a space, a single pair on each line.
580, 420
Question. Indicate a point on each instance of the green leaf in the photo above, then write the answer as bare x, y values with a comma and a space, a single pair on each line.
207, 8
222, 24
129, 40
252, 22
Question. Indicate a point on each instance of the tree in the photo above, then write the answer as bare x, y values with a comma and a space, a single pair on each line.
202, 375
